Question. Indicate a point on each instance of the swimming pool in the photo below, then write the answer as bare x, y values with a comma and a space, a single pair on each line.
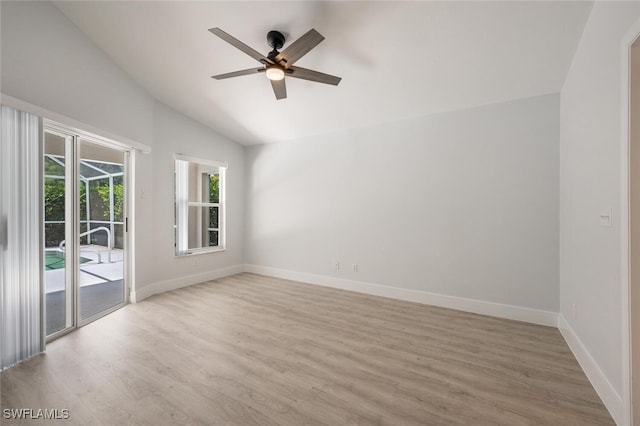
55, 260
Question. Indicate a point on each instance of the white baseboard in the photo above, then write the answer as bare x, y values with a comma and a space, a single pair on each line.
611, 399
518, 313
162, 286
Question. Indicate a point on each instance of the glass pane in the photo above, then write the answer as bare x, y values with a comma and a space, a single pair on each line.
118, 241
99, 199
55, 290
83, 229
53, 234
214, 188
213, 217
100, 235
54, 199
105, 168
101, 251
87, 171
52, 166
201, 220
118, 198
83, 200
57, 299
213, 238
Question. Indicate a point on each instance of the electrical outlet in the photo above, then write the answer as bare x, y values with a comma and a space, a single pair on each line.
355, 267
605, 217
336, 265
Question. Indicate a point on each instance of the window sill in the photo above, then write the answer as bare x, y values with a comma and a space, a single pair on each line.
205, 250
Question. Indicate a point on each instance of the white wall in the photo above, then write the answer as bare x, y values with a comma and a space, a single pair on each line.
463, 204
590, 176
157, 265
48, 62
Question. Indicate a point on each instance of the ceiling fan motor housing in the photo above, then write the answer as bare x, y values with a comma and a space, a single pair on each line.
275, 39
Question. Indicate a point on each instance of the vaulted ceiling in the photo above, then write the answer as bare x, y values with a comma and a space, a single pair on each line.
396, 59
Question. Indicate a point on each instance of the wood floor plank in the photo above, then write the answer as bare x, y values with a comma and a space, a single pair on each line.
253, 350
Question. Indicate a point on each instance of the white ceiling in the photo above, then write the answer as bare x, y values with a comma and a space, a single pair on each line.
396, 59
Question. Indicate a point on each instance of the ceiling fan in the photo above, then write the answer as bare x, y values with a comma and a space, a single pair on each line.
277, 65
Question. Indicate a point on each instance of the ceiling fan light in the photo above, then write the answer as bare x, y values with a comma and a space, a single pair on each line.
275, 73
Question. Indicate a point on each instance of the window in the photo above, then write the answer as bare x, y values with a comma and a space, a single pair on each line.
200, 205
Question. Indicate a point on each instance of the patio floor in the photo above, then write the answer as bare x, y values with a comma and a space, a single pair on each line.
92, 272
101, 286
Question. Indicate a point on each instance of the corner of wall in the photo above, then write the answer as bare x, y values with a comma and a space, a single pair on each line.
611, 399
176, 283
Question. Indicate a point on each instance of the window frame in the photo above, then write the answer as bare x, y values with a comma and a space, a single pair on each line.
183, 205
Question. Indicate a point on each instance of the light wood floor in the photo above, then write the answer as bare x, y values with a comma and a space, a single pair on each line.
251, 350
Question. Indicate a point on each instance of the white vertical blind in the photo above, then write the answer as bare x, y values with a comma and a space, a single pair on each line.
21, 311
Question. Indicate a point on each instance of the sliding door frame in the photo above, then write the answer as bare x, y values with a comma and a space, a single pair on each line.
74, 138
82, 322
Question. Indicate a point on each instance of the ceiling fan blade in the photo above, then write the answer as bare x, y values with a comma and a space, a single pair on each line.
240, 45
279, 88
299, 48
312, 75
238, 73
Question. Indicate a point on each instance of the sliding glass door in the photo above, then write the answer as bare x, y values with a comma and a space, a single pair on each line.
58, 229
102, 226
84, 229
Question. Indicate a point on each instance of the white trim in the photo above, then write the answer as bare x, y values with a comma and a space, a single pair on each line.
203, 250
222, 210
75, 126
130, 219
512, 312
201, 161
201, 204
627, 404
182, 204
611, 399
176, 283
